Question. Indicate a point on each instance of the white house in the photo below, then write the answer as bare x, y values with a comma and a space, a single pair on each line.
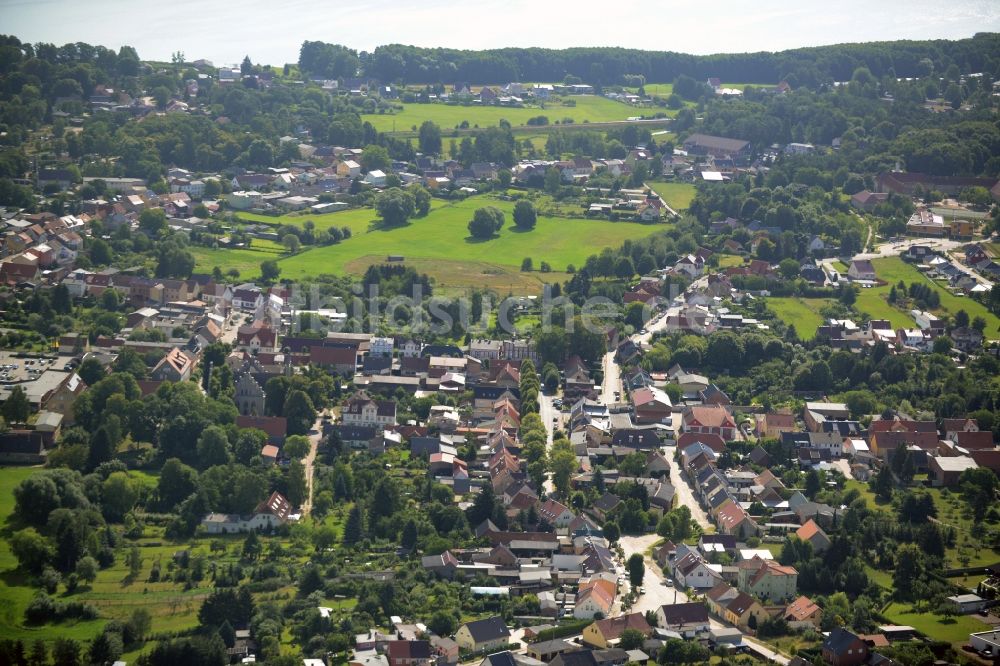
270, 513
361, 410
375, 178
244, 199
861, 269
381, 346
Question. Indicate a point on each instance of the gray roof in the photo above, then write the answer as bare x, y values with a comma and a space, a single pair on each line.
489, 629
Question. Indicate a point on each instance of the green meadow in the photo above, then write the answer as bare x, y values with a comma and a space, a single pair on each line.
803, 313
677, 195
587, 108
440, 245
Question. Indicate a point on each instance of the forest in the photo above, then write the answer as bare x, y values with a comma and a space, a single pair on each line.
809, 67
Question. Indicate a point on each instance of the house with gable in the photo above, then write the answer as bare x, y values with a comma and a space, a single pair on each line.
482, 635
713, 419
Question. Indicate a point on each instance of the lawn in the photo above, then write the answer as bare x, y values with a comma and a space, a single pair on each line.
892, 270
951, 630
677, 195
443, 235
729, 260
587, 108
803, 313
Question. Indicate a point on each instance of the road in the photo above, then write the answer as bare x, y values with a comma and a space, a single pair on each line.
315, 435
656, 593
685, 495
612, 379
551, 418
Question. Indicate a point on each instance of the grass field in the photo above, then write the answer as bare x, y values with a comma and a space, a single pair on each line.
677, 195
892, 270
247, 262
803, 313
357, 219
952, 630
660, 89
440, 243
588, 108
455, 277
729, 260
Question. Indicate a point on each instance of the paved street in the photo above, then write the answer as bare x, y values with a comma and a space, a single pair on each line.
685, 495
551, 418
612, 379
656, 593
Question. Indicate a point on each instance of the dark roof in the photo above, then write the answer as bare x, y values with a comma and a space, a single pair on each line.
489, 629
840, 640
636, 438
441, 350
504, 658
353, 433
22, 441
606, 502
575, 658
716, 142
688, 613
409, 649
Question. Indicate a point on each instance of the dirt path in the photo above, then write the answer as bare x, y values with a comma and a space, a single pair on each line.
315, 434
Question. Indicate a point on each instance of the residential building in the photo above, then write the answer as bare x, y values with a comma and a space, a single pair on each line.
844, 648
482, 635
604, 633
712, 419
803, 613
595, 596
815, 535
176, 366
269, 514
766, 579
688, 619
362, 410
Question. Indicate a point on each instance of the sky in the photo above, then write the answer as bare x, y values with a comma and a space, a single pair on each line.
272, 31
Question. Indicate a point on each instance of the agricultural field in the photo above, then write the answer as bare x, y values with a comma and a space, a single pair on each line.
441, 241
803, 313
588, 108
677, 195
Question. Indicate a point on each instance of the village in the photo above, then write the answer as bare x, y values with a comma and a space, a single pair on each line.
256, 386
